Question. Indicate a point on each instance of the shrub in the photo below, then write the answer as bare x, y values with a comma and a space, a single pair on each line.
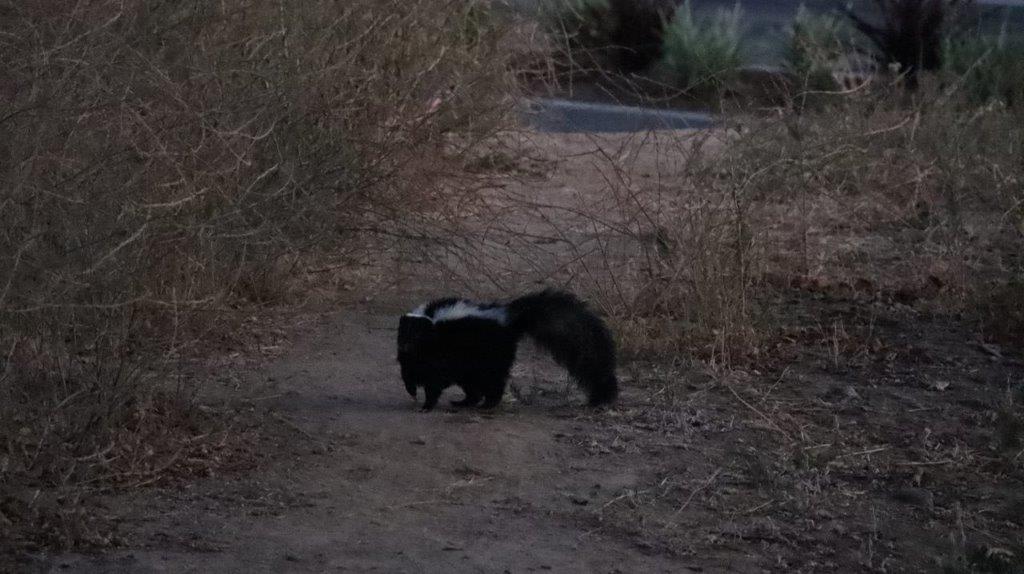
163, 163
812, 196
704, 53
623, 34
988, 68
816, 43
585, 25
640, 29
911, 33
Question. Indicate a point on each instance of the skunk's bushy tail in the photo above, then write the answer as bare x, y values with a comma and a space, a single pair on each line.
577, 339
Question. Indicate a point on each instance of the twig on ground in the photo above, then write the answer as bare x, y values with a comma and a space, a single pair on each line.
864, 452
703, 486
931, 463
766, 418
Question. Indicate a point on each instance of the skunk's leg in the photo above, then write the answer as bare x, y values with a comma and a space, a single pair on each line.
432, 392
472, 399
491, 401
494, 389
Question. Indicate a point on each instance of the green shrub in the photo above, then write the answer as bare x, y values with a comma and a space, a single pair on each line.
704, 53
988, 68
639, 32
816, 43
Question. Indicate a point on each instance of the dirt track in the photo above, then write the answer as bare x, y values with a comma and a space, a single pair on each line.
683, 476
875, 452
379, 486
362, 481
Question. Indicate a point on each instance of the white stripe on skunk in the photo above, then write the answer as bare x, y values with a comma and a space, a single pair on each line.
420, 312
462, 310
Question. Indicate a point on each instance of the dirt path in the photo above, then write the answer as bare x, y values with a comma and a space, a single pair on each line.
682, 476
884, 443
379, 486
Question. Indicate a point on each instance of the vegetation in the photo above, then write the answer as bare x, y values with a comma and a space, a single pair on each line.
704, 53
987, 68
640, 29
169, 170
584, 25
718, 254
817, 42
911, 34
821, 284
622, 35
164, 169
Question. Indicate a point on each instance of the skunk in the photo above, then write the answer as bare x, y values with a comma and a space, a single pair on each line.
473, 345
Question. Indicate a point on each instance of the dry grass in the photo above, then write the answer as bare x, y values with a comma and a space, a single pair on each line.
163, 165
695, 243
919, 205
857, 270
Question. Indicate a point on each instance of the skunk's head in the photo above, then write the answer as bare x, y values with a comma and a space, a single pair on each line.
414, 334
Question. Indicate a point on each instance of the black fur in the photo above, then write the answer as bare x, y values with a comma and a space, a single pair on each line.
477, 353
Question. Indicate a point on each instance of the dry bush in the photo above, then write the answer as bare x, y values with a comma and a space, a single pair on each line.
669, 258
871, 200
686, 282
698, 244
162, 163
937, 182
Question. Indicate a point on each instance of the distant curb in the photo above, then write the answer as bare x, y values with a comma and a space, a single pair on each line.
567, 116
